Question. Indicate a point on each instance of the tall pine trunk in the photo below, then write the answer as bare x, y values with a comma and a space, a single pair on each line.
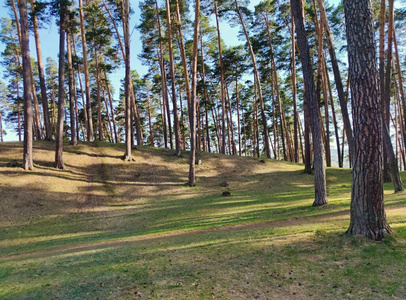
28, 113
44, 97
392, 163
337, 77
172, 71
319, 166
367, 202
72, 91
89, 125
258, 83
61, 89
222, 83
128, 135
192, 104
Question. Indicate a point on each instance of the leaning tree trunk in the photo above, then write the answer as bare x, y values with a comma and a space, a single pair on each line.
319, 166
337, 76
367, 202
258, 82
61, 90
28, 113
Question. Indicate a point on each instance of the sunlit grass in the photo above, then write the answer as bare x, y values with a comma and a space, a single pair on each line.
107, 229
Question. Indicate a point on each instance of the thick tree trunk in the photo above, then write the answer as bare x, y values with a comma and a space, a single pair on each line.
367, 203
28, 113
319, 167
61, 90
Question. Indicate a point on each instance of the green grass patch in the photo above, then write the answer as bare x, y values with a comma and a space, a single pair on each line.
110, 229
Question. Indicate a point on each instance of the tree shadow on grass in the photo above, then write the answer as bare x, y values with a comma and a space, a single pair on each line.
235, 263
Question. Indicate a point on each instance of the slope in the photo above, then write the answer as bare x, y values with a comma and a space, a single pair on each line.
104, 228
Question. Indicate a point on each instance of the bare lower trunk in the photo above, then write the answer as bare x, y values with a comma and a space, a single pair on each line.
223, 103
172, 69
61, 91
192, 107
126, 12
319, 167
28, 114
258, 82
44, 98
72, 92
89, 127
367, 202
337, 77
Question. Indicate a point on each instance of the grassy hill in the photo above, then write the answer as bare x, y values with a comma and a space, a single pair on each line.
109, 229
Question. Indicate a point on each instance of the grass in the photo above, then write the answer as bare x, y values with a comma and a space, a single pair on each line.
109, 229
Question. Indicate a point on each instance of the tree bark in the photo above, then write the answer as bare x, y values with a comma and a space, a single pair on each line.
172, 71
367, 201
151, 133
163, 81
111, 108
28, 113
89, 125
295, 111
392, 163
258, 82
319, 167
72, 91
206, 98
44, 97
61, 89
337, 77
128, 135
222, 83
192, 107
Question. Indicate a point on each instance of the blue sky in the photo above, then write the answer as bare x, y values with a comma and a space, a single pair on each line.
50, 43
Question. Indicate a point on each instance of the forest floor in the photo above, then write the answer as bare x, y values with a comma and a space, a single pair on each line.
108, 229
